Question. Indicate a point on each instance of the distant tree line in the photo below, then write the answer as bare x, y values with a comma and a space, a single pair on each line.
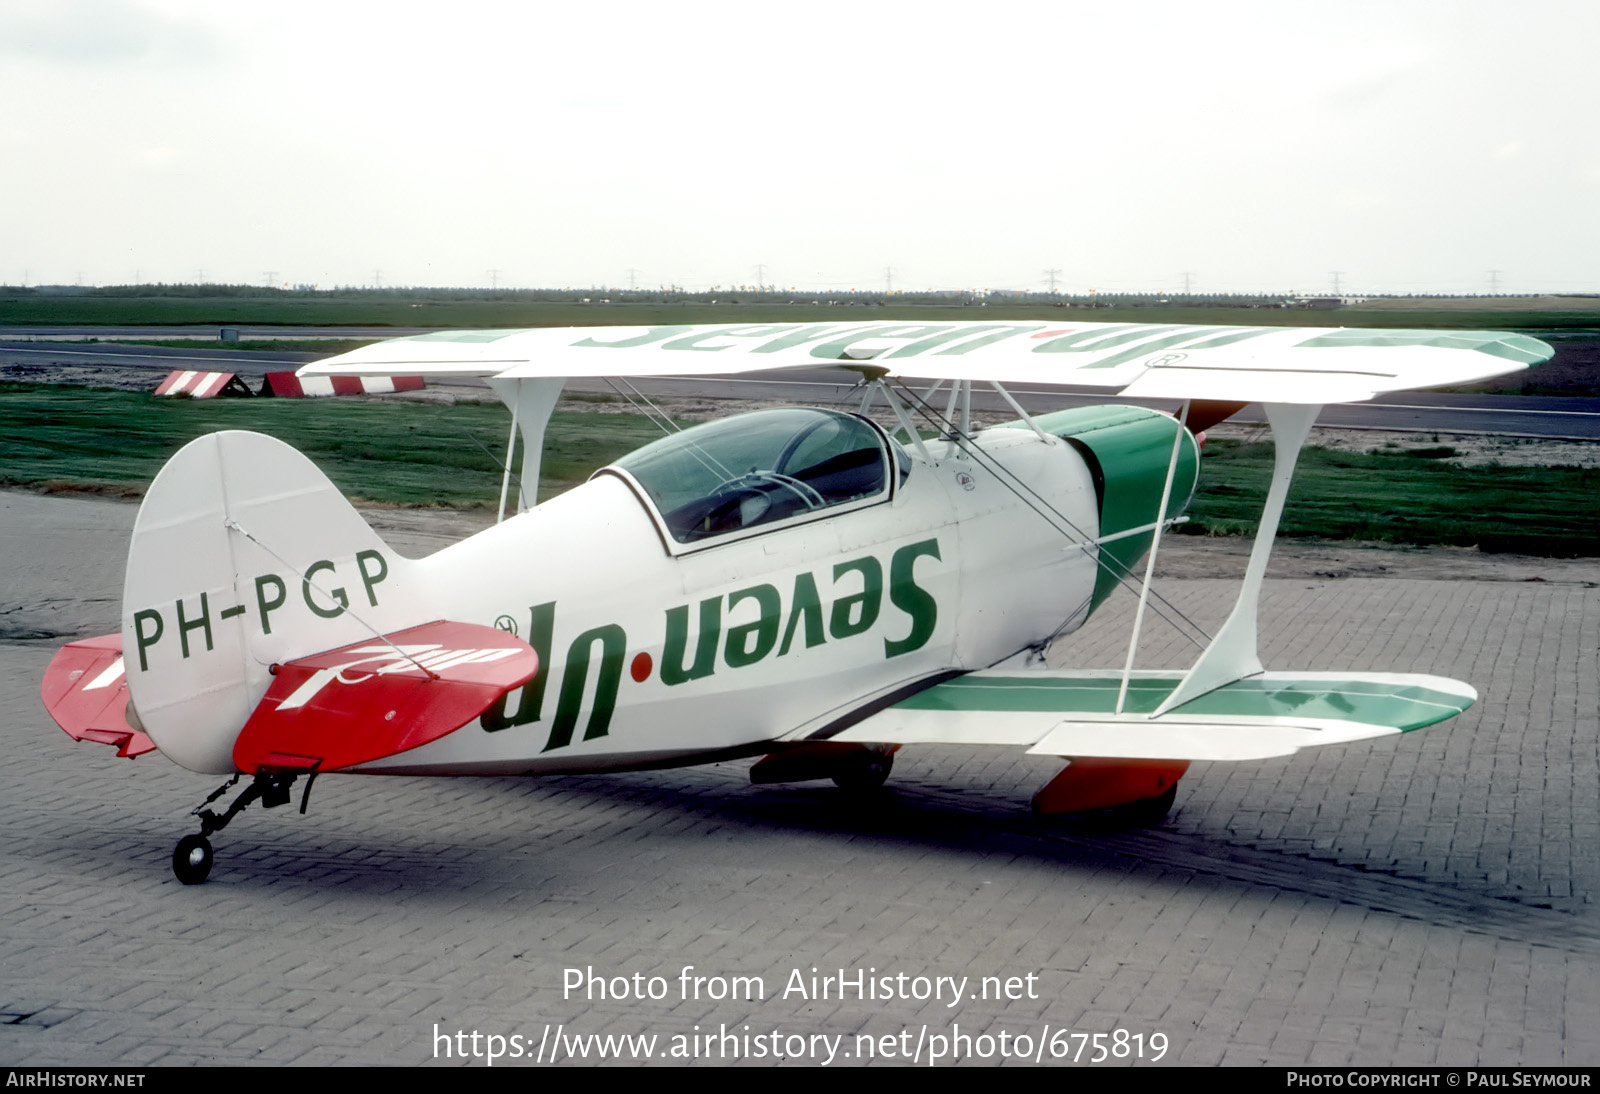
718, 295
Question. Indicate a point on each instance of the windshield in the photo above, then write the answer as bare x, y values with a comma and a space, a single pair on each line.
758, 468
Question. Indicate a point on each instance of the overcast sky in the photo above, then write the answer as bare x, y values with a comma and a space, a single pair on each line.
1409, 146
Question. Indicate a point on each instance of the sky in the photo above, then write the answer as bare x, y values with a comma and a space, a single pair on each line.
1402, 146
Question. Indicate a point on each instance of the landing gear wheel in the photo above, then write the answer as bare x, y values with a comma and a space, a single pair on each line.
865, 773
1148, 812
192, 859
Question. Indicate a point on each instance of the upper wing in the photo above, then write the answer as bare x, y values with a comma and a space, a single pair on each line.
1250, 364
1073, 713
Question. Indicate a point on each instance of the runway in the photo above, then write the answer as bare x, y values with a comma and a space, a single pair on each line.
1424, 900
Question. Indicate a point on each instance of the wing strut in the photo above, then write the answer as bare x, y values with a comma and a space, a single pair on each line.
511, 454
1232, 654
531, 400
905, 422
951, 407
957, 420
1033, 425
1155, 545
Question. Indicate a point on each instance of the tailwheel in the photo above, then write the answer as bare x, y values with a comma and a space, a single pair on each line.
865, 772
192, 859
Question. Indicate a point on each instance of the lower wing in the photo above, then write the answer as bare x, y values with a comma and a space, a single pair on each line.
1075, 713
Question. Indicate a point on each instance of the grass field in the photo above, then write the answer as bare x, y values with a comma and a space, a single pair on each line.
324, 347
1409, 497
391, 452
411, 453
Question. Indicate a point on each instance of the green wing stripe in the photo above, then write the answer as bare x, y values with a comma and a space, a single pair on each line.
1399, 706
1243, 334
1512, 347
463, 336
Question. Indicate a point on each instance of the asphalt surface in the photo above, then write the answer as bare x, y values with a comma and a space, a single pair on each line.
1423, 900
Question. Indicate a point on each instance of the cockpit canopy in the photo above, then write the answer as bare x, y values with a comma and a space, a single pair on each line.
759, 468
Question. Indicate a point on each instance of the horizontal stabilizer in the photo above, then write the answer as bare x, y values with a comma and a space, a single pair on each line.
372, 699
86, 692
1075, 713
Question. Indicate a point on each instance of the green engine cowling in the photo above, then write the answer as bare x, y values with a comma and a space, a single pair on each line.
1127, 449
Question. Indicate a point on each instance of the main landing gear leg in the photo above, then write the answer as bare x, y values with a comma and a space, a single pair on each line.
192, 858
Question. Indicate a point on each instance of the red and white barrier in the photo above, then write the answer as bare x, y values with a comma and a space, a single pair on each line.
290, 386
201, 385
206, 385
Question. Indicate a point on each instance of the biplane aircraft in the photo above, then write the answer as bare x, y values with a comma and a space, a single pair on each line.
799, 584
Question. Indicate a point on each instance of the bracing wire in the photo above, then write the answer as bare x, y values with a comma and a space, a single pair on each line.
1046, 511
351, 612
662, 421
498, 462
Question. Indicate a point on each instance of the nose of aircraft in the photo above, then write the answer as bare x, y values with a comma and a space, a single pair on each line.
1129, 450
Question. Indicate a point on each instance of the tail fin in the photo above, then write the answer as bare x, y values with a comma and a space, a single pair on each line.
245, 556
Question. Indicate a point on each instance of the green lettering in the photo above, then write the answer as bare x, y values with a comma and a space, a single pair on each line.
1000, 331
369, 580
846, 621
142, 640
1098, 338
809, 333
750, 642
1143, 338
541, 625
337, 594
1143, 349
265, 606
760, 330
613, 645
911, 598
835, 349
654, 334
806, 605
187, 625
705, 650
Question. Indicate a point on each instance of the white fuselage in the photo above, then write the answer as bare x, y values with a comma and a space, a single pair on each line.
658, 652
